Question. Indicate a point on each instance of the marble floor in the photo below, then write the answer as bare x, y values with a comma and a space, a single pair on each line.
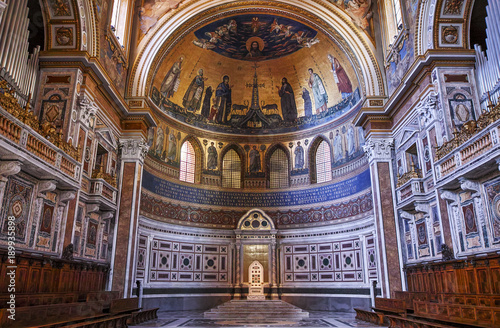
194, 319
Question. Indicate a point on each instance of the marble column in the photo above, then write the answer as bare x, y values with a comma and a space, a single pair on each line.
238, 282
273, 284
379, 152
132, 152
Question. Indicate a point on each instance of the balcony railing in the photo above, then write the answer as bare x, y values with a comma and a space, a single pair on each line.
413, 174
475, 139
22, 127
469, 130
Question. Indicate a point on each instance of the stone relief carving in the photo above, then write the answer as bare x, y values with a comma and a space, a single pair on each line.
88, 110
378, 148
91, 208
422, 208
46, 185
449, 196
133, 149
10, 168
426, 110
468, 185
66, 196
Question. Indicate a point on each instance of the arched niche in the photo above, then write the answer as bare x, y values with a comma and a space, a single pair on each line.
256, 241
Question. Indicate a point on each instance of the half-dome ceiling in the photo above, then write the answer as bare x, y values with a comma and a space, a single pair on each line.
255, 73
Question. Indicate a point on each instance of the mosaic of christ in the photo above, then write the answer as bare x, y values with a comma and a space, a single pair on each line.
255, 74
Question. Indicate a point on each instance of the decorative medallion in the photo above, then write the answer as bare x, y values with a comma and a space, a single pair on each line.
64, 36
449, 35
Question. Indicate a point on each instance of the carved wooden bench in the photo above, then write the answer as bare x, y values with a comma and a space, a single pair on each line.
32, 299
401, 322
54, 315
131, 306
141, 316
105, 297
469, 315
469, 299
370, 316
409, 297
390, 306
124, 305
116, 321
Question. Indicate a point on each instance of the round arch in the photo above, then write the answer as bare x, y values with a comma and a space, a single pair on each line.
267, 160
312, 155
237, 148
199, 155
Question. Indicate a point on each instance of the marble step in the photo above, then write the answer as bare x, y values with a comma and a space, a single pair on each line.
259, 316
266, 310
256, 307
256, 311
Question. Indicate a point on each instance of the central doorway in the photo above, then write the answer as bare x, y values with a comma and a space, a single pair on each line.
256, 251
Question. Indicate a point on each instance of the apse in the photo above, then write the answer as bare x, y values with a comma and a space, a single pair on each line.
283, 75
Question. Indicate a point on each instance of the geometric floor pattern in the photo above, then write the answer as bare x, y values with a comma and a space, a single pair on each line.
195, 319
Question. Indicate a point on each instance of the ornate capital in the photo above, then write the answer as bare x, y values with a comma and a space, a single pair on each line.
378, 148
88, 110
8, 168
133, 149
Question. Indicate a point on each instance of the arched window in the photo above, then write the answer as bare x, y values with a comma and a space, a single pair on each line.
323, 162
119, 20
188, 162
398, 17
393, 20
278, 170
231, 170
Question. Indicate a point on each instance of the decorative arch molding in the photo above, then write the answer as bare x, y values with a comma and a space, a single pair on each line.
425, 27
312, 156
264, 222
199, 156
267, 160
90, 27
330, 19
241, 152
